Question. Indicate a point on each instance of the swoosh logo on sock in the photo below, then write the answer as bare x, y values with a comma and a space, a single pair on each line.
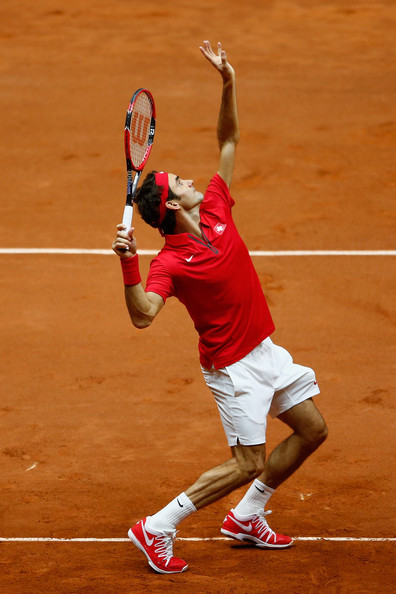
247, 528
258, 489
149, 541
179, 502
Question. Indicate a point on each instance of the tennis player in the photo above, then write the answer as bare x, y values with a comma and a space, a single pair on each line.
206, 265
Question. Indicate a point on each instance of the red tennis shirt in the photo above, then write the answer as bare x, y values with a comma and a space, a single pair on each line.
215, 279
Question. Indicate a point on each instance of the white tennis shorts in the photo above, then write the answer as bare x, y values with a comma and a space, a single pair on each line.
265, 381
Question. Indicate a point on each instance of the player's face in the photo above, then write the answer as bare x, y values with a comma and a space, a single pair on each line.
184, 189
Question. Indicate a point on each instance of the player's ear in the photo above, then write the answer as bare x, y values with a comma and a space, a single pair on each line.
172, 205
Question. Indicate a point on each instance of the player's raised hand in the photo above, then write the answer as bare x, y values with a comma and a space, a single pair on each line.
219, 60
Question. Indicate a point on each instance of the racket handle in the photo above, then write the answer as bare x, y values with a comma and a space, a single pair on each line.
127, 218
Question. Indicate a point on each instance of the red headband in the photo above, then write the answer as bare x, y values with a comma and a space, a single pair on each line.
161, 179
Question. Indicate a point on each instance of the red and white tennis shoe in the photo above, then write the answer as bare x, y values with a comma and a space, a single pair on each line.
158, 548
255, 530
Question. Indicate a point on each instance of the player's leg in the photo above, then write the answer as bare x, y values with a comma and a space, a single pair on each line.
247, 521
309, 432
294, 386
247, 463
244, 420
155, 534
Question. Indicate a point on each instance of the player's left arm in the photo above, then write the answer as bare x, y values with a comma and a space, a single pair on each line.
228, 122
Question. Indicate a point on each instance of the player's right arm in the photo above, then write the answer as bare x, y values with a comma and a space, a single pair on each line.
228, 121
142, 306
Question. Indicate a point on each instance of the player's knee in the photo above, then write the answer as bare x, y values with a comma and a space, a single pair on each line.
317, 434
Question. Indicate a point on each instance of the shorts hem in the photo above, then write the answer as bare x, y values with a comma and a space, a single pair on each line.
237, 440
290, 405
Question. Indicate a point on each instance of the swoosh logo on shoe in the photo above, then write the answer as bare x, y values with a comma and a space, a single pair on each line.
247, 528
149, 541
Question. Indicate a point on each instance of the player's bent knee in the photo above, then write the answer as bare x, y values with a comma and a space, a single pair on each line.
323, 433
317, 434
250, 461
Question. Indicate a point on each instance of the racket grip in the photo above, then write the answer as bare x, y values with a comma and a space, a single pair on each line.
127, 218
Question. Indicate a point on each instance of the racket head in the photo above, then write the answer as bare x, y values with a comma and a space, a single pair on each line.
139, 129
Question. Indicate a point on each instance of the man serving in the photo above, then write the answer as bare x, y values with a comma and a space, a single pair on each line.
206, 265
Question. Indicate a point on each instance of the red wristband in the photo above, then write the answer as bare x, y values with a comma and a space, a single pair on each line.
130, 270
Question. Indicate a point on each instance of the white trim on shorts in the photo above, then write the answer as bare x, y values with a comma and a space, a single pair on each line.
266, 381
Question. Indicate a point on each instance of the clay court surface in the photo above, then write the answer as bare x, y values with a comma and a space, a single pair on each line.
101, 424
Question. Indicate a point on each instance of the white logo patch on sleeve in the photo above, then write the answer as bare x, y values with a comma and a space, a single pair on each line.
219, 228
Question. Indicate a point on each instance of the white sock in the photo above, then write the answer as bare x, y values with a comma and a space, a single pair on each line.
173, 513
254, 501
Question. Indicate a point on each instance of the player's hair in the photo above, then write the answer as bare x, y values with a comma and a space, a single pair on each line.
148, 199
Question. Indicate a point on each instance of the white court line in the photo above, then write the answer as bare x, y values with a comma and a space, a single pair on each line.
299, 538
75, 251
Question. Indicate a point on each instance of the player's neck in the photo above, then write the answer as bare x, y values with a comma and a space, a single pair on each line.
188, 222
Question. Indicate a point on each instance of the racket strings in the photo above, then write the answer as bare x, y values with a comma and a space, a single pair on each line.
140, 129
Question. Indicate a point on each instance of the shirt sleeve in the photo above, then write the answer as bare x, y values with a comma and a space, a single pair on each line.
218, 190
159, 280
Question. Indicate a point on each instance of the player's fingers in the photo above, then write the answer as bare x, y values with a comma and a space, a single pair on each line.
121, 243
207, 50
204, 52
120, 249
121, 236
125, 233
118, 243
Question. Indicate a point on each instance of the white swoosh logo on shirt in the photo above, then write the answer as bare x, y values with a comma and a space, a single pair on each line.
190, 258
149, 541
246, 528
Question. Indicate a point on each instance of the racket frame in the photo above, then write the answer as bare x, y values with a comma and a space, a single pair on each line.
134, 171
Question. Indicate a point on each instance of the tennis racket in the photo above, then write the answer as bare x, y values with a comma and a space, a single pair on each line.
138, 136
